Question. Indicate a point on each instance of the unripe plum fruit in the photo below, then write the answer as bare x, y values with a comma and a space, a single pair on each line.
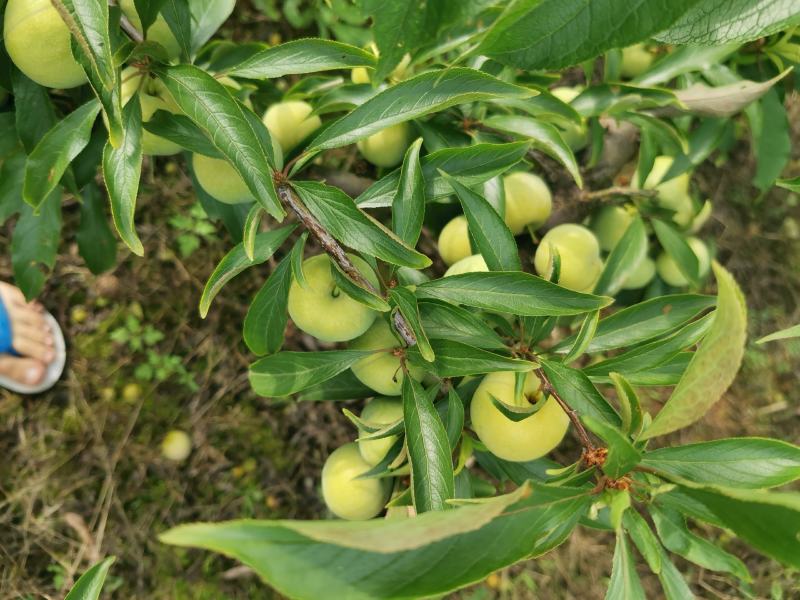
38, 42
609, 225
519, 441
672, 194
152, 96
575, 135
669, 271
380, 411
220, 180
159, 31
636, 60
346, 496
381, 371
291, 122
360, 75
176, 446
701, 217
470, 264
641, 275
528, 201
322, 309
580, 256
454, 241
387, 147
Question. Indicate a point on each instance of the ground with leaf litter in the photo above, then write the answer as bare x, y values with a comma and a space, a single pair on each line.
82, 474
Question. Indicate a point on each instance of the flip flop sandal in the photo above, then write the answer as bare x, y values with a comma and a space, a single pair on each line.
54, 369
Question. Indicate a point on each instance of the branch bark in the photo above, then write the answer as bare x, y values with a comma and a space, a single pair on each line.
586, 442
128, 27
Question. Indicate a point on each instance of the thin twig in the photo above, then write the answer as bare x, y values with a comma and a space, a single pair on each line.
573, 416
617, 191
128, 27
290, 198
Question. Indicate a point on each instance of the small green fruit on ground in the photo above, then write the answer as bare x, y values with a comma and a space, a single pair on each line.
177, 446
641, 275
291, 122
220, 180
152, 96
470, 264
159, 31
387, 147
580, 256
609, 225
323, 310
131, 392
669, 271
528, 201
672, 194
346, 496
519, 441
38, 42
454, 241
636, 60
381, 411
381, 371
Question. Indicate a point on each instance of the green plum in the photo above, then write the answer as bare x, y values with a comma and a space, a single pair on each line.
381, 411
636, 60
381, 371
470, 264
346, 496
528, 201
579, 250
454, 241
290, 122
609, 225
387, 147
220, 180
672, 194
669, 271
152, 96
158, 32
641, 276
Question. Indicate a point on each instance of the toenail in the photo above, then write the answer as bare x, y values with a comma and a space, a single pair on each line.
49, 356
32, 375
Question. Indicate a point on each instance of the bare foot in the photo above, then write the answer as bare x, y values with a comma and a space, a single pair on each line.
32, 338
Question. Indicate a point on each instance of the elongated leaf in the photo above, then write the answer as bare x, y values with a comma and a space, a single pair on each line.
455, 417
625, 583
223, 120
179, 19
344, 386
783, 334
251, 226
685, 60
432, 480
622, 456
449, 322
773, 144
408, 205
34, 114
672, 581
715, 22
707, 377
181, 130
90, 584
644, 539
287, 373
673, 532
454, 359
515, 292
412, 98
406, 303
353, 227
266, 318
726, 100
748, 463
542, 136
367, 297
236, 261
471, 165
96, 244
302, 56
34, 246
548, 35
147, 11
584, 336
207, 17
674, 243
624, 258
52, 155
393, 558
579, 393
630, 409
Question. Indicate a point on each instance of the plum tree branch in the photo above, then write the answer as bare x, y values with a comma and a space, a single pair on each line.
617, 190
128, 27
573, 416
332, 247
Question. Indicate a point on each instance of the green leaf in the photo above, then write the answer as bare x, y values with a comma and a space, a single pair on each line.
250, 230
471, 165
297, 260
494, 240
644, 539
236, 261
96, 244
353, 227
672, 582
783, 334
455, 417
624, 258
728, 100
685, 60
266, 318
531, 34
408, 205
630, 409
579, 393
207, 17
512, 412
677, 538
179, 20
34, 114
715, 22
344, 386
773, 145
674, 243
449, 322
90, 584
147, 11
792, 185
412, 98
406, 302
625, 583
622, 456
747, 463
393, 558
52, 155
297, 57
454, 359
34, 245
707, 377
287, 373
122, 169
367, 297
543, 136
429, 452
511, 292
243, 141
181, 130
584, 336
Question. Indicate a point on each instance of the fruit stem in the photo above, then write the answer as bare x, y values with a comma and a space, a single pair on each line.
290, 198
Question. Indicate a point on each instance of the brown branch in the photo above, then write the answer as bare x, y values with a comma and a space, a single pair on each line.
290, 198
128, 27
573, 416
617, 190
